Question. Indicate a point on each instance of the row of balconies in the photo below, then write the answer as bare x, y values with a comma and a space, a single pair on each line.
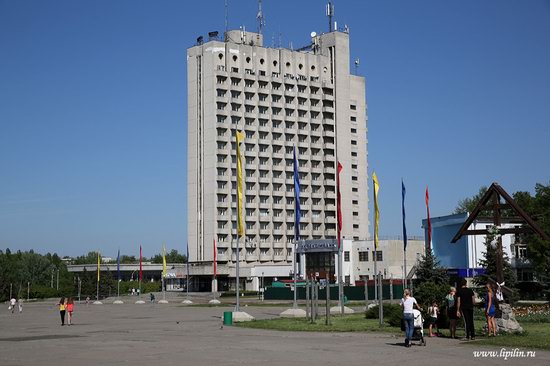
254, 258
315, 106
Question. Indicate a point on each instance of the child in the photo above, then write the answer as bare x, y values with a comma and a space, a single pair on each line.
70, 309
433, 311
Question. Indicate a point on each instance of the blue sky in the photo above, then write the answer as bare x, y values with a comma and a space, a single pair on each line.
93, 108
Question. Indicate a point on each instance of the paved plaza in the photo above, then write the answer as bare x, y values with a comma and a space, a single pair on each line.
173, 334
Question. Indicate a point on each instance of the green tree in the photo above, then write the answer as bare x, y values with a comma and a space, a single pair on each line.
468, 204
538, 249
431, 283
489, 264
171, 257
89, 258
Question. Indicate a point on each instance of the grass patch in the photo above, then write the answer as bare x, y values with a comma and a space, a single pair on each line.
348, 323
535, 335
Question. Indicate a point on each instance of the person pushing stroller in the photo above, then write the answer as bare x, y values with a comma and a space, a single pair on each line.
408, 303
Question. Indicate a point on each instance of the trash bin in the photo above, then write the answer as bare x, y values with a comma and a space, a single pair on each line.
227, 318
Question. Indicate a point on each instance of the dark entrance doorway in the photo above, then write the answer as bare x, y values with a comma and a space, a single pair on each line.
320, 264
320, 257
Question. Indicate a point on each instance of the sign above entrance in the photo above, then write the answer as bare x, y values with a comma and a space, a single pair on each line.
317, 246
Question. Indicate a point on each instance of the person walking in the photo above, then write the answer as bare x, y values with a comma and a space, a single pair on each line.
20, 305
12, 304
152, 298
62, 309
408, 303
70, 309
450, 299
465, 305
490, 311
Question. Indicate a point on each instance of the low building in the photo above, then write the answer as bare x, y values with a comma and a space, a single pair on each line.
389, 257
462, 259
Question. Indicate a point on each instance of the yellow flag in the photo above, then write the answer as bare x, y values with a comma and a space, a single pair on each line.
376, 211
98, 264
240, 223
163, 260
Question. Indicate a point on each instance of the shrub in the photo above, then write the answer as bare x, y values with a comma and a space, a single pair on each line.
392, 314
428, 292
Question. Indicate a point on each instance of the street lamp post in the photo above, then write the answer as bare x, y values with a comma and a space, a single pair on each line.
79, 289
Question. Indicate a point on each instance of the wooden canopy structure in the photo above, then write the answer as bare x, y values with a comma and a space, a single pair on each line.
498, 206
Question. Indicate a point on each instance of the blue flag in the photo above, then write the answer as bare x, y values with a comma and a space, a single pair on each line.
118, 264
296, 199
403, 191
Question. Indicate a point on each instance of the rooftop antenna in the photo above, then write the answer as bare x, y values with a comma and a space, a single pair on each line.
260, 17
356, 65
226, 12
330, 14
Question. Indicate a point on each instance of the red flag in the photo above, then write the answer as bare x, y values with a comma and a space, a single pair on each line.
215, 259
140, 265
338, 204
429, 222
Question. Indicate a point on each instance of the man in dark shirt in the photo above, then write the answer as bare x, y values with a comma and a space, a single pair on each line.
465, 304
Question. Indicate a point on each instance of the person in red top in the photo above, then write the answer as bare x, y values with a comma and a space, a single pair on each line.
70, 309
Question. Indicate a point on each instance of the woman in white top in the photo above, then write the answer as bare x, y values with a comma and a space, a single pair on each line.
408, 302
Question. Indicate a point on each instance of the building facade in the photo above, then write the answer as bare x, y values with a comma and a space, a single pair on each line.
281, 99
462, 258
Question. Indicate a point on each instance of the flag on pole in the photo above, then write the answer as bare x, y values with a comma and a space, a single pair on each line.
140, 265
215, 259
429, 222
118, 264
297, 208
403, 191
339, 203
164, 260
240, 223
98, 264
376, 210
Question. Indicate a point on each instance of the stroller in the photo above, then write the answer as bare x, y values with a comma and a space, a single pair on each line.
418, 332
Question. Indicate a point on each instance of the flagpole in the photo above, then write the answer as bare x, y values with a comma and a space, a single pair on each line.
98, 274
187, 268
297, 214
403, 192
239, 222
339, 239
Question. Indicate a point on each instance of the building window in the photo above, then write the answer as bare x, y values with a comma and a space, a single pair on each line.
346, 256
353, 107
379, 257
363, 256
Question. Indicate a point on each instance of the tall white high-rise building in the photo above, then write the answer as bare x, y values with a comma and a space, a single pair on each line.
281, 99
